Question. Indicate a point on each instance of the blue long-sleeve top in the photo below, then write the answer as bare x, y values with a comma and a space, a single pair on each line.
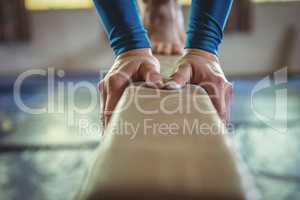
125, 30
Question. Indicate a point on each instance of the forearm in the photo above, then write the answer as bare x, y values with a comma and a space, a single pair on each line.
122, 24
206, 24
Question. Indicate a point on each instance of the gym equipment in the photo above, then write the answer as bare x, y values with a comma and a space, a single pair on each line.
164, 144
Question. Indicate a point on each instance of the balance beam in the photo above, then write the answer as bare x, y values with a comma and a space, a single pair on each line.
169, 150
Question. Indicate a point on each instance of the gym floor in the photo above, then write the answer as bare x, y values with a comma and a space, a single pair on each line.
43, 158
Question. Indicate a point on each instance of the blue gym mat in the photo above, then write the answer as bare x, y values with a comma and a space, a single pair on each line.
43, 156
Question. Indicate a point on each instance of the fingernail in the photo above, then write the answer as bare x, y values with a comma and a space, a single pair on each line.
105, 123
172, 85
157, 84
150, 85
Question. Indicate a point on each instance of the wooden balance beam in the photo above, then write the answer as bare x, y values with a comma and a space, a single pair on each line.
163, 144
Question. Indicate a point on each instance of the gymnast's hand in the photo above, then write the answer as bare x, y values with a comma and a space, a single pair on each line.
203, 68
133, 65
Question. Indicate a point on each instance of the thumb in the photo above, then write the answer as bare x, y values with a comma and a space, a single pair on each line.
151, 76
182, 75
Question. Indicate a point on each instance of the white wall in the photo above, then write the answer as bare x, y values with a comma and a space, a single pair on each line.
69, 39
73, 40
257, 52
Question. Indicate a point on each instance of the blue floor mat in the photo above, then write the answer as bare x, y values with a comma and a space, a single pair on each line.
49, 149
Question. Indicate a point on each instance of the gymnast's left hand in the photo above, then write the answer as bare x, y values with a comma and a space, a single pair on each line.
203, 68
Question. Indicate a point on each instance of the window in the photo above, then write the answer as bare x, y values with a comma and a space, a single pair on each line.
57, 4
85, 4
67, 4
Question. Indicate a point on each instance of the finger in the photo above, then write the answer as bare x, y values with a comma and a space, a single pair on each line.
180, 77
228, 97
216, 101
216, 92
102, 91
150, 75
115, 86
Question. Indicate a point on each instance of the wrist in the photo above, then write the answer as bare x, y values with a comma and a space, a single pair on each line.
136, 52
210, 57
202, 53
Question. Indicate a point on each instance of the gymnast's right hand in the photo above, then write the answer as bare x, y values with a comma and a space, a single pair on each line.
130, 66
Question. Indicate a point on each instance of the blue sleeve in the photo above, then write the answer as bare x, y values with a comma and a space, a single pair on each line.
206, 24
122, 24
